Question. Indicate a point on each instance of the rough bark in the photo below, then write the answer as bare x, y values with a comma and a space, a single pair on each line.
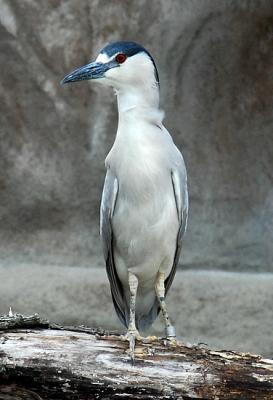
83, 363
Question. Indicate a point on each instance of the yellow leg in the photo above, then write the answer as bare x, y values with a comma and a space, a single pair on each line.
160, 293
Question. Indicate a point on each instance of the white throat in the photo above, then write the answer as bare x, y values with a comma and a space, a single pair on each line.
139, 105
140, 97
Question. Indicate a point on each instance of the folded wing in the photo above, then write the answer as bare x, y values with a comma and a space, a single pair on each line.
109, 198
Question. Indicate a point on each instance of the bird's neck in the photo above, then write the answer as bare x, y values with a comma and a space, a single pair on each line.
139, 103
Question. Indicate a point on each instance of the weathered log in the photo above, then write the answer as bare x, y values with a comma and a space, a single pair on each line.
13, 321
83, 363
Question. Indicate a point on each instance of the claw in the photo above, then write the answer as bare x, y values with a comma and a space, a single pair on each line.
149, 339
131, 337
170, 341
132, 344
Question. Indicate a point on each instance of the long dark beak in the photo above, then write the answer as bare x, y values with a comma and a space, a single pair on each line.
93, 70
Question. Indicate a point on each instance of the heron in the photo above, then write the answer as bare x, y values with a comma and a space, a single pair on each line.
144, 206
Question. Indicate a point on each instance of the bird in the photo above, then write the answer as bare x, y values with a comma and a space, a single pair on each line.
144, 205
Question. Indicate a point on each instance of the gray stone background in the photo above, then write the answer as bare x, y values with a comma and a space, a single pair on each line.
215, 61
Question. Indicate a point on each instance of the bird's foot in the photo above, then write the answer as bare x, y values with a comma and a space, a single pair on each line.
131, 336
149, 339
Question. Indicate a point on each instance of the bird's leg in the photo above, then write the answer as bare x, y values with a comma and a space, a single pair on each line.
133, 284
132, 332
160, 293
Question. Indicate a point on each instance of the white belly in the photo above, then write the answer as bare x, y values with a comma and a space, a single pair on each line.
145, 233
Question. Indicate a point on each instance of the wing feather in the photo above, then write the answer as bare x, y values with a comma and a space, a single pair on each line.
108, 202
179, 181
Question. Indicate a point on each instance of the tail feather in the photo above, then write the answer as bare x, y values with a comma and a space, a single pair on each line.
145, 321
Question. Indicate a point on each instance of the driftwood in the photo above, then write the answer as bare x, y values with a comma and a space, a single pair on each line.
41, 361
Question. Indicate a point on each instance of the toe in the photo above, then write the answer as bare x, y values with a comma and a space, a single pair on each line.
149, 339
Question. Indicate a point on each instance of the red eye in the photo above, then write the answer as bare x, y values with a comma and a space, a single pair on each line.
120, 58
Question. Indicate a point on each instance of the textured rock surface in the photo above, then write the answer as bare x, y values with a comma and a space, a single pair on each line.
215, 64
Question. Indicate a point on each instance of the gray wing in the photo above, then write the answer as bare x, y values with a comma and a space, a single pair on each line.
179, 181
108, 201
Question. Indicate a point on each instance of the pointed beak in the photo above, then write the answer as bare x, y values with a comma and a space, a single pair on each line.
94, 70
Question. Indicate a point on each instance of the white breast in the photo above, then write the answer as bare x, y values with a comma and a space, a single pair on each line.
145, 222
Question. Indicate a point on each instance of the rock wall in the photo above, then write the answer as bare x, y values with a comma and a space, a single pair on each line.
215, 64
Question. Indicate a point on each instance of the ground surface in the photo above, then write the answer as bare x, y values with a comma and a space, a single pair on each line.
224, 310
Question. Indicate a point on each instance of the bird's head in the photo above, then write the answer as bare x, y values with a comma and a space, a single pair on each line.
120, 65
